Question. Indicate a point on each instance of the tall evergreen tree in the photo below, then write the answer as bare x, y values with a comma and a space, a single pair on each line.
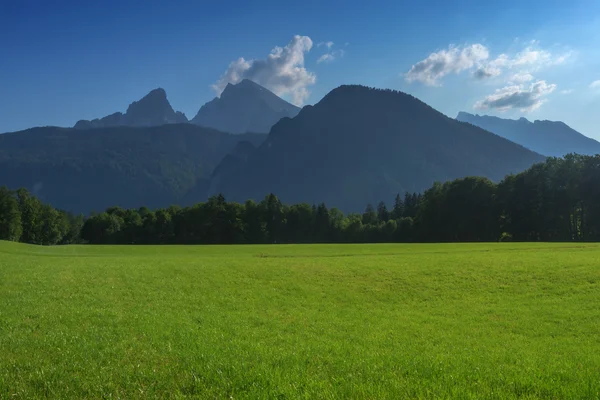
31, 221
369, 217
382, 213
10, 216
398, 210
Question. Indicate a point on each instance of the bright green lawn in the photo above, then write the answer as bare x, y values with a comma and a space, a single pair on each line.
315, 321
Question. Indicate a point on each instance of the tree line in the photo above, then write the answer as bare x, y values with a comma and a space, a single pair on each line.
24, 218
558, 200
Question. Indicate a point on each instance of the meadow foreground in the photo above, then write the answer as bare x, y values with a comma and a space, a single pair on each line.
300, 321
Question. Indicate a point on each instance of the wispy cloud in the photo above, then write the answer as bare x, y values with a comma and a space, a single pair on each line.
282, 71
326, 44
329, 57
476, 58
514, 71
595, 84
444, 62
521, 77
325, 58
566, 91
330, 54
524, 98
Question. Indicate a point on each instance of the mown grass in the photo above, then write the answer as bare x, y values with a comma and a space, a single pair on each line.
467, 321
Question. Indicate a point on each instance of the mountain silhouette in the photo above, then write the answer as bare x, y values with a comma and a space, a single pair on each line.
244, 107
360, 145
549, 138
152, 110
116, 166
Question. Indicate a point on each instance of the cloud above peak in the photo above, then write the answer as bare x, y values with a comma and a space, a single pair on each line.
524, 98
454, 60
282, 71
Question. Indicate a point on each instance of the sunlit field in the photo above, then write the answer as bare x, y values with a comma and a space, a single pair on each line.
300, 321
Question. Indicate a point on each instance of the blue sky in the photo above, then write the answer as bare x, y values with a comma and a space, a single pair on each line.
61, 61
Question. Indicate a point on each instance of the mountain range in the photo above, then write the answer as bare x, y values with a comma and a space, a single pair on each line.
241, 108
550, 138
360, 145
356, 146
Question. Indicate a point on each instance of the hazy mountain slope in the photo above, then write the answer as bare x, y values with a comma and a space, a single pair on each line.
361, 145
244, 107
545, 137
152, 110
129, 167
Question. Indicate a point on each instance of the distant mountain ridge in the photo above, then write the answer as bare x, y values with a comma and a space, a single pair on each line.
244, 107
360, 145
116, 166
152, 110
241, 108
356, 146
550, 138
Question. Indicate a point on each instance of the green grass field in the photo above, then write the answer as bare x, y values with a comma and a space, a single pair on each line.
315, 321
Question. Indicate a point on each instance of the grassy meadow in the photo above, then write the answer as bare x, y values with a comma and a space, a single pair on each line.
469, 321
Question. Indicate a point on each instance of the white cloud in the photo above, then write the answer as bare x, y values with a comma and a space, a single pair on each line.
444, 62
476, 58
521, 77
326, 44
517, 96
531, 56
325, 58
530, 59
561, 59
566, 91
283, 71
329, 57
595, 84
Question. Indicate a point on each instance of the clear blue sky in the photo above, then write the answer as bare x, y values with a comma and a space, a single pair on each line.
61, 61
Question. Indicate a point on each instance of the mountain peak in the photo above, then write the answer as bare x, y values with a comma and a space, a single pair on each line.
360, 145
364, 93
228, 88
467, 117
158, 93
463, 114
151, 110
244, 107
155, 99
550, 138
249, 82
243, 85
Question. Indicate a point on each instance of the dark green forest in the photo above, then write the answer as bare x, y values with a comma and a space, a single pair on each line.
90, 170
558, 200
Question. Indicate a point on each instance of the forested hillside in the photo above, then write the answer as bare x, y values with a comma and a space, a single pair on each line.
557, 200
86, 170
360, 145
